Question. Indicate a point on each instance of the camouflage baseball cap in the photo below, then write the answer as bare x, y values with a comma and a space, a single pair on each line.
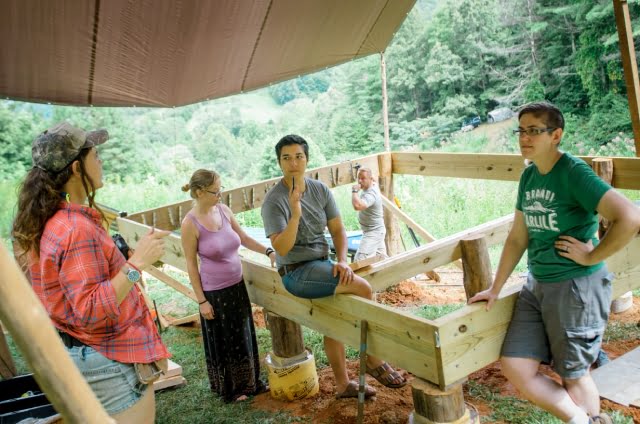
57, 147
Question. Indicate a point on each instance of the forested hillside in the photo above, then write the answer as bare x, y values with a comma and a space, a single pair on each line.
449, 60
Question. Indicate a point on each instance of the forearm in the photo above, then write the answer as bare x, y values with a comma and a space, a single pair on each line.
122, 286
356, 202
284, 242
340, 244
254, 246
194, 279
619, 234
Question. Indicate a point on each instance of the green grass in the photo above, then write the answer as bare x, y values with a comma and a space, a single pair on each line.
433, 312
621, 331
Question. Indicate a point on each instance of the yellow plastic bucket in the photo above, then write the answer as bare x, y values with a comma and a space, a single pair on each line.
292, 378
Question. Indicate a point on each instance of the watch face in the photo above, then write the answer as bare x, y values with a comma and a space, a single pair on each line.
133, 275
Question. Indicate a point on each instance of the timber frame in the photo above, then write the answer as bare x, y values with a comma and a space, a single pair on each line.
442, 351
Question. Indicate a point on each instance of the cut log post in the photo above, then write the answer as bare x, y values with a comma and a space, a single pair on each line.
432, 405
7, 367
603, 167
286, 336
392, 239
476, 265
40, 344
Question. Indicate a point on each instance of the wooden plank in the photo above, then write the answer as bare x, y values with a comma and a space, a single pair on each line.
173, 369
471, 338
171, 282
440, 252
251, 196
165, 383
404, 340
496, 166
185, 320
364, 263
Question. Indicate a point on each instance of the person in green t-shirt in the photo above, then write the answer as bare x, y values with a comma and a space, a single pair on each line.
562, 311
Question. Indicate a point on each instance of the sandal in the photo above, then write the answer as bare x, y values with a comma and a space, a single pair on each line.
351, 391
386, 376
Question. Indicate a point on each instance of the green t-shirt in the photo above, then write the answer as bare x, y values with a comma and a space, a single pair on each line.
562, 202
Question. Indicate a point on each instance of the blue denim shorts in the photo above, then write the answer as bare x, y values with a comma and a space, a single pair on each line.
115, 384
561, 323
312, 280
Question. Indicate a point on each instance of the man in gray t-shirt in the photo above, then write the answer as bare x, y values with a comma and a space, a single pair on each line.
295, 213
370, 215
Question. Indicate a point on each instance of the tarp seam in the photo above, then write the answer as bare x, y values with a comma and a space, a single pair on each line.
371, 29
94, 49
255, 46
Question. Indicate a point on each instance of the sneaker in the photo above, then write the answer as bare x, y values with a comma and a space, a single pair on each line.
601, 419
602, 359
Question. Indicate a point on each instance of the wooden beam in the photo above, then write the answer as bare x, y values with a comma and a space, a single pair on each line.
392, 238
471, 338
402, 216
7, 366
440, 252
171, 282
251, 196
629, 65
32, 331
501, 167
405, 340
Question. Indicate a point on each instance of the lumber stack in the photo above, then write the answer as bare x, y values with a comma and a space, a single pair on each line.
173, 378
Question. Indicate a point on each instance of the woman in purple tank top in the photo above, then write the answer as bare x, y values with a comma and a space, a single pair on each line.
210, 232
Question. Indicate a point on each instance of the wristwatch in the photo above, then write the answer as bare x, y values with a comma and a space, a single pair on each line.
133, 275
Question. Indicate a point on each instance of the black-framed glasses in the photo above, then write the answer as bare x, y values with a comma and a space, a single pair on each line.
532, 132
216, 193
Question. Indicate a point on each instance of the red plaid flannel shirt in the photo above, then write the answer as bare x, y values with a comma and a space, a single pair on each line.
72, 278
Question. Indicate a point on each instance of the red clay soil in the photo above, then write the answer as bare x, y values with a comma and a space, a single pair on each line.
394, 406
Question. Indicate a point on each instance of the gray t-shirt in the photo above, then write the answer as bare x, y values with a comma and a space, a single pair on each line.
371, 218
318, 207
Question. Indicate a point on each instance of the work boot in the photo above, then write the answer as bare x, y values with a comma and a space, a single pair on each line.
601, 419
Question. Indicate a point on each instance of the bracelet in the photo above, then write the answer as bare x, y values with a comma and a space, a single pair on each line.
354, 191
204, 301
269, 251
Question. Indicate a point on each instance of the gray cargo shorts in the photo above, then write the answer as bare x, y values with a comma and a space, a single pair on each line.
562, 321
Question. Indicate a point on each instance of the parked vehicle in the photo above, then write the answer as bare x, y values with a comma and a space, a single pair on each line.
470, 123
500, 114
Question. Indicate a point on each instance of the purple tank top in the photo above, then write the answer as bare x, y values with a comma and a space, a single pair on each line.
220, 264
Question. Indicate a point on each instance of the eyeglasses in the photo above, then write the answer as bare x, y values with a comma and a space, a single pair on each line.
216, 193
532, 132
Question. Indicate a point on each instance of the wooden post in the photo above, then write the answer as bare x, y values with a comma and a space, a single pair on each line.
629, 65
385, 109
7, 367
432, 405
35, 336
385, 181
603, 167
476, 265
286, 336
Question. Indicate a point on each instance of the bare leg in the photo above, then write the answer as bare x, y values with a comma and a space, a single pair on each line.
336, 355
142, 412
584, 393
538, 388
361, 288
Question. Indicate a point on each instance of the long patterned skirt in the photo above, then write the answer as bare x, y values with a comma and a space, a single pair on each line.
230, 345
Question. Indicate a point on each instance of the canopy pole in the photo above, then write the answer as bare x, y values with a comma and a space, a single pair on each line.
385, 110
629, 65
41, 346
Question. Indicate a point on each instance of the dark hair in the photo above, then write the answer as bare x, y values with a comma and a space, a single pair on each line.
548, 112
290, 139
200, 180
39, 199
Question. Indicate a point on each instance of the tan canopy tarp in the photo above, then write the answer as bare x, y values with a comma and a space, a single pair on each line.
176, 52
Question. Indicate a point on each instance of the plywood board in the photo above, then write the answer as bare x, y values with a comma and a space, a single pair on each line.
619, 380
165, 383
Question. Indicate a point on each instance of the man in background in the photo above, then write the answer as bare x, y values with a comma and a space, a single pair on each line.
366, 199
